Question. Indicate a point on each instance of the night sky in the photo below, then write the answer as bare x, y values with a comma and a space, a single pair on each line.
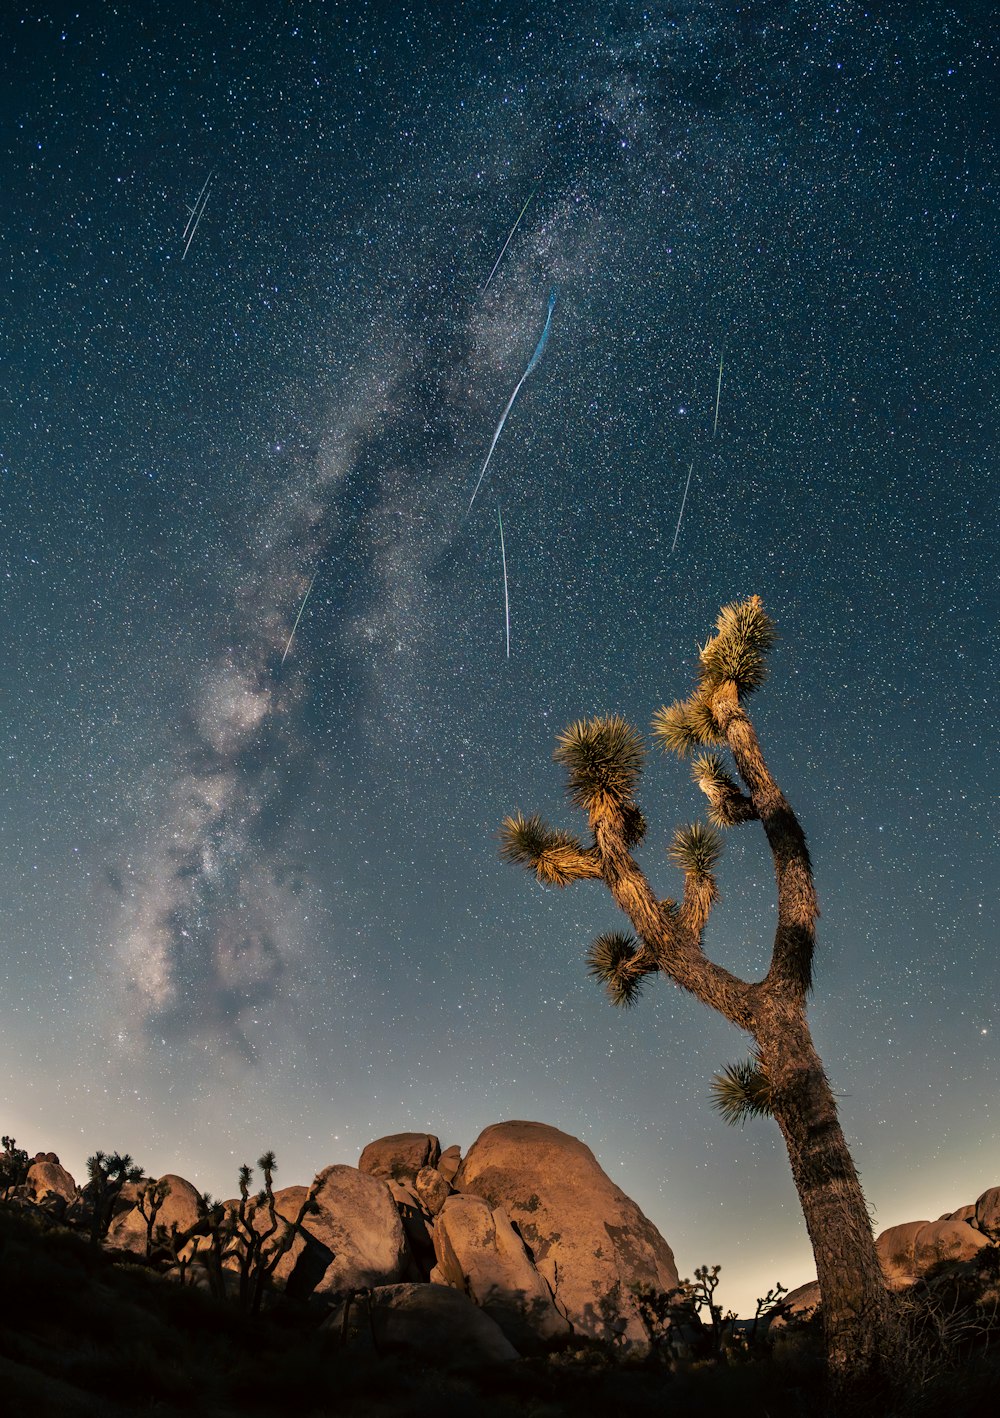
252, 904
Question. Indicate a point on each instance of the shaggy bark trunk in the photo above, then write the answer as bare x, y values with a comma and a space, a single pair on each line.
855, 1302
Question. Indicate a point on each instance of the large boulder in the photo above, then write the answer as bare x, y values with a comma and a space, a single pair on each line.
908, 1251
431, 1189
400, 1156
945, 1241
47, 1181
180, 1210
588, 1240
964, 1213
801, 1301
988, 1212
896, 1252
432, 1322
479, 1252
356, 1220
449, 1162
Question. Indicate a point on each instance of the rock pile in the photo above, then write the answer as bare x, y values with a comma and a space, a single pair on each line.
515, 1248
908, 1251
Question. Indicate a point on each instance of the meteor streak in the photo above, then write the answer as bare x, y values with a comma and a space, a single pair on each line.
192, 210
508, 241
298, 617
506, 598
196, 212
539, 351
718, 389
680, 514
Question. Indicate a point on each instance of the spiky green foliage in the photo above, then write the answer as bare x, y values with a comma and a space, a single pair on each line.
711, 774
738, 651
695, 848
556, 857
612, 960
742, 1091
727, 804
603, 759
685, 725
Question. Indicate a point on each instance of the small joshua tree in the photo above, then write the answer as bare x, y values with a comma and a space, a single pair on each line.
241, 1237
108, 1176
14, 1164
784, 1078
149, 1201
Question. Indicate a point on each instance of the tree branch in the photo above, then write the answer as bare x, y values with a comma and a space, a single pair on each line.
795, 937
556, 857
667, 935
728, 807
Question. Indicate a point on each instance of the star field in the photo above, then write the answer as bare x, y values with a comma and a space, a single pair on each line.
255, 904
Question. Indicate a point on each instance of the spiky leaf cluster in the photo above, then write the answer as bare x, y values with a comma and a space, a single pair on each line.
686, 725
603, 758
695, 849
727, 804
556, 857
117, 1168
711, 775
738, 650
612, 960
742, 1091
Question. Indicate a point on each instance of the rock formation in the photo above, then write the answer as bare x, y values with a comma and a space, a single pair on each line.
47, 1180
588, 1240
401, 1156
178, 1214
357, 1221
908, 1251
432, 1322
515, 1249
479, 1253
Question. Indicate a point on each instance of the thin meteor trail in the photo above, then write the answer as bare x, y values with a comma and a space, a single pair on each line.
718, 390
539, 351
510, 238
506, 598
680, 514
298, 618
203, 197
192, 210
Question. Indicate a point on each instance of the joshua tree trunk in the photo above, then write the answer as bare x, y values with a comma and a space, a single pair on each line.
785, 1078
833, 1204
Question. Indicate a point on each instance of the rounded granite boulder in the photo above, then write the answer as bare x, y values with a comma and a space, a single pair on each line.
588, 1239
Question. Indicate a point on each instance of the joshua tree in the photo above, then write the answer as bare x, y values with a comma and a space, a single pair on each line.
241, 1235
108, 1176
149, 1202
14, 1164
784, 1078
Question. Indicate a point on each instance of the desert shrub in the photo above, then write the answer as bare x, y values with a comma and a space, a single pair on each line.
14, 1166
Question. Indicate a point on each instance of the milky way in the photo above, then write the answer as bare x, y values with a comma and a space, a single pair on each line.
252, 903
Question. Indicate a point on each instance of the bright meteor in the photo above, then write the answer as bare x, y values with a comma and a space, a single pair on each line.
510, 238
539, 351
298, 617
506, 597
718, 390
677, 529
